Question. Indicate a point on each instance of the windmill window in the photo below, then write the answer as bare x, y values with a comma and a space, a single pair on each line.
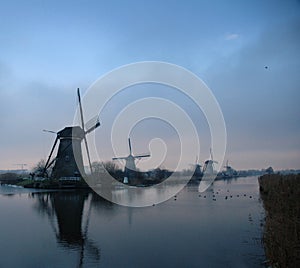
67, 158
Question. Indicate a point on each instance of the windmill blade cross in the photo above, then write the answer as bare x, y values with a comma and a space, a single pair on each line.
88, 154
80, 107
129, 142
50, 131
143, 155
49, 165
120, 158
92, 128
82, 125
211, 154
51, 152
92, 124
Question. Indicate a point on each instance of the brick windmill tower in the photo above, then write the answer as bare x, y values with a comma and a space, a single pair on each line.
66, 168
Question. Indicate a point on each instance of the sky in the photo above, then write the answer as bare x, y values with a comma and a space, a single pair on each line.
50, 48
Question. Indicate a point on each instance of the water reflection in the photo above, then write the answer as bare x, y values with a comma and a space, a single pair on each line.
69, 215
216, 228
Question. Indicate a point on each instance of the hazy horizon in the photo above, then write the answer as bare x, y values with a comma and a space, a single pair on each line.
245, 52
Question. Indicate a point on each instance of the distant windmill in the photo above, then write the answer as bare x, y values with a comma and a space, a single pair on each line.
197, 172
227, 165
70, 138
130, 167
208, 168
229, 172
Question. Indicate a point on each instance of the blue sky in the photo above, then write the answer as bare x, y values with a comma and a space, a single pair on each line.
49, 48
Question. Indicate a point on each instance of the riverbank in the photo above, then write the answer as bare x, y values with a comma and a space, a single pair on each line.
281, 200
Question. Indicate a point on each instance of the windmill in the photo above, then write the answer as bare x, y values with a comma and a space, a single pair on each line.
208, 168
229, 172
70, 138
197, 172
130, 167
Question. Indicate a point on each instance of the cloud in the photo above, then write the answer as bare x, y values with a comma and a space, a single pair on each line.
231, 36
260, 105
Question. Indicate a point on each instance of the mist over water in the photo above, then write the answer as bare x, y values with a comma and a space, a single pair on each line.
219, 228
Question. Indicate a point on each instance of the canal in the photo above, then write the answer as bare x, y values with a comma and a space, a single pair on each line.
221, 227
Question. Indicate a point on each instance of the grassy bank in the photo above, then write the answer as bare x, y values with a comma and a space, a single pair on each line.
281, 199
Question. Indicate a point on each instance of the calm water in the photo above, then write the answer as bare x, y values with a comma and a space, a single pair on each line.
73, 229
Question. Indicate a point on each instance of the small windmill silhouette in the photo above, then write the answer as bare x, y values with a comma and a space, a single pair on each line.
130, 167
198, 171
229, 171
208, 168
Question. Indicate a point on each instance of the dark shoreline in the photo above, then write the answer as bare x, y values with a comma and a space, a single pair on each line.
281, 199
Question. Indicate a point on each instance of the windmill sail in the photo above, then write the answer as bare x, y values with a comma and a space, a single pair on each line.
92, 124
82, 126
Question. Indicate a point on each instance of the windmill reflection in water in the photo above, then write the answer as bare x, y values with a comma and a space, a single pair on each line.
69, 214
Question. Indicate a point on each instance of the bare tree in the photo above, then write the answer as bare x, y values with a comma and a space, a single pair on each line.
111, 167
101, 170
101, 167
39, 169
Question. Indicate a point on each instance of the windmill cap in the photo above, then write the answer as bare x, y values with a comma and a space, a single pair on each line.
71, 132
